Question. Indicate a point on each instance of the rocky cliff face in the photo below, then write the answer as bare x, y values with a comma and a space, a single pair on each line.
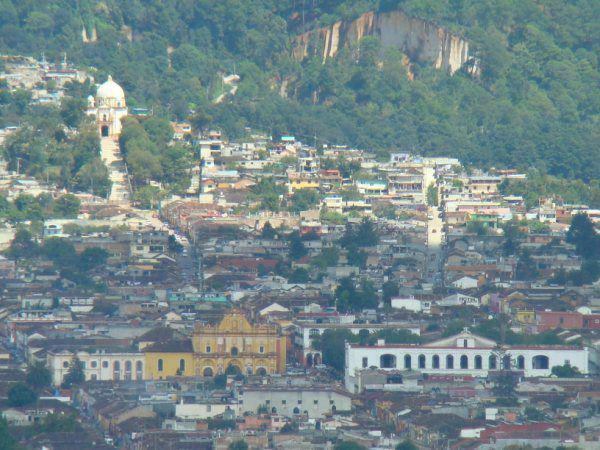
421, 40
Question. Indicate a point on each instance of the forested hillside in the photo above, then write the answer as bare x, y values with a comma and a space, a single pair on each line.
535, 103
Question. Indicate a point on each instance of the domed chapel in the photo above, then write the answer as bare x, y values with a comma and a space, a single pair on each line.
109, 107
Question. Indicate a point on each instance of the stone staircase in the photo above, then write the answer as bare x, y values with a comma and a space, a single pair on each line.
120, 192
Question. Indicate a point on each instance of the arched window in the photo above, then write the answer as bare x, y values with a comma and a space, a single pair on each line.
139, 370
506, 362
540, 362
464, 362
296, 410
520, 362
273, 410
128, 367
478, 362
182, 366
449, 362
407, 362
421, 361
160, 365
493, 364
208, 372
387, 361
261, 371
116, 366
435, 362
234, 351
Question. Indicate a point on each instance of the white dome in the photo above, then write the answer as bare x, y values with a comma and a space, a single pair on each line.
110, 90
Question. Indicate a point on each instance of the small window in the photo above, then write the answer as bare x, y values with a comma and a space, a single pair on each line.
283, 402
65, 364
208, 408
299, 402
94, 364
105, 364
208, 349
261, 349
160, 365
331, 402
316, 402
234, 351
365, 362
268, 402
94, 377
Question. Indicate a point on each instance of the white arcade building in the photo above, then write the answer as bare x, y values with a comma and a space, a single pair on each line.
109, 107
462, 354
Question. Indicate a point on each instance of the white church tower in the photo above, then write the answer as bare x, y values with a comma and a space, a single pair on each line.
108, 107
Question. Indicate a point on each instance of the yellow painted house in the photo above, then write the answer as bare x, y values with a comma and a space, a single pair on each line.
234, 345
169, 359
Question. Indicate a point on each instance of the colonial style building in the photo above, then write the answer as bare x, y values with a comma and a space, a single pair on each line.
234, 345
102, 365
462, 354
108, 107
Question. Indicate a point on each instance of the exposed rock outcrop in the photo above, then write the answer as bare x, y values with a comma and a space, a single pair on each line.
421, 40
92, 37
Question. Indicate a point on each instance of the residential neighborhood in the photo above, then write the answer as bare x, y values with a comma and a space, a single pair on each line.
278, 292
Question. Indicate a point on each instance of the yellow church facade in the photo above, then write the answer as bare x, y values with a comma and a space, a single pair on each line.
234, 345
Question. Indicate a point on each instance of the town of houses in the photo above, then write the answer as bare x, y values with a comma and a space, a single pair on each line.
298, 297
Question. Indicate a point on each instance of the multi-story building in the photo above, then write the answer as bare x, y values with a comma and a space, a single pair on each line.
236, 345
290, 401
462, 354
102, 365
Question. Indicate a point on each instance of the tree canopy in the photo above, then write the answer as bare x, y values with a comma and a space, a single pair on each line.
532, 106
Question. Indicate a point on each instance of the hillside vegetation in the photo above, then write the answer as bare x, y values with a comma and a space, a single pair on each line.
535, 104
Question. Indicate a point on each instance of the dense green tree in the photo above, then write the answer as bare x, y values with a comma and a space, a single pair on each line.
566, 371
75, 374
582, 234
38, 376
303, 200
67, 206
92, 257
331, 343
7, 442
268, 232
389, 289
20, 394
23, 246
328, 257
406, 445
297, 248
299, 275
349, 297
